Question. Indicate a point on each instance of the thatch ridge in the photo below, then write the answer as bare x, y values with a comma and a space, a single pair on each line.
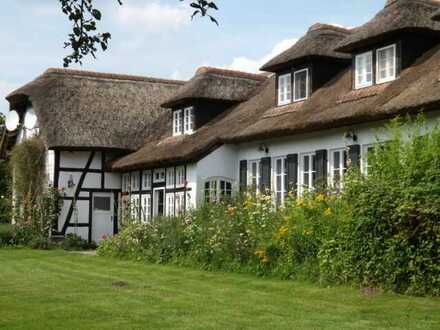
397, 15
216, 84
319, 42
81, 109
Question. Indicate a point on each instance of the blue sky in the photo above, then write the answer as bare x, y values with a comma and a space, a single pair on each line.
156, 37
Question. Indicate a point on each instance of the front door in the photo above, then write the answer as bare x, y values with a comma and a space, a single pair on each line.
102, 217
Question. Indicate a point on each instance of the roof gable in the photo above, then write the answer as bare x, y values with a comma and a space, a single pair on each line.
319, 42
217, 85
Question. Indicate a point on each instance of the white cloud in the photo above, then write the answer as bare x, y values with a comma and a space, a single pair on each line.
253, 65
153, 17
5, 88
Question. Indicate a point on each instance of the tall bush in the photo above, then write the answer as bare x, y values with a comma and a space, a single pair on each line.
36, 206
391, 237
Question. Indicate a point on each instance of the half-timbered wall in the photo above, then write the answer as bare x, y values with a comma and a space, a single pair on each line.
157, 192
78, 175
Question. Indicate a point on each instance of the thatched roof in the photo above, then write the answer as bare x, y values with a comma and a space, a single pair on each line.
338, 105
334, 105
216, 84
81, 109
397, 16
319, 42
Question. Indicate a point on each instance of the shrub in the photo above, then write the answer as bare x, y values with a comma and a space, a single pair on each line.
392, 236
382, 231
74, 242
6, 235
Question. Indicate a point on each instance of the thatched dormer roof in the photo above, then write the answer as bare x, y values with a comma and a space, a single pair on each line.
216, 84
82, 109
397, 16
335, 105
319, 42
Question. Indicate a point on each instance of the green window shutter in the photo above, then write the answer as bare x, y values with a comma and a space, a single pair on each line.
321, 169
243, 175
292, 172
265, 171
354, 154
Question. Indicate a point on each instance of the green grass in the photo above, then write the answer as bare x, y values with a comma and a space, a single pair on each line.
56, 289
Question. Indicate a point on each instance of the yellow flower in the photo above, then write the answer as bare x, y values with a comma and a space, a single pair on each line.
320, 197
283, 232
328, 212
300, 201
307, 232
231, 210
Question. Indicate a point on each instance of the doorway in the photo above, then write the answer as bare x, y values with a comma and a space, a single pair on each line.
102, 217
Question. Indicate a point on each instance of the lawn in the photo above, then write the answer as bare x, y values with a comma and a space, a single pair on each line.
56, 289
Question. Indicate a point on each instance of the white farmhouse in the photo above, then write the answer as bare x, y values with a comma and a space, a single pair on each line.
166, 146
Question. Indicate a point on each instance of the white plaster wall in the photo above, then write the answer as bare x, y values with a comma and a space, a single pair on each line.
78, 159
112, 181
222, 162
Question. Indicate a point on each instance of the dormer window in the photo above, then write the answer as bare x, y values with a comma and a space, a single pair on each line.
385, 59
364, 70
188, 120
177, 122
301, 85
183, 121
386, 64
284, 89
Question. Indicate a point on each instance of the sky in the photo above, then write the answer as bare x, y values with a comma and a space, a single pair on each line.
157, 37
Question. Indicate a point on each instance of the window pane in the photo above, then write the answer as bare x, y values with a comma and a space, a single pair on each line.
306, 179
101, 203
306, 163
336, 159
301, 85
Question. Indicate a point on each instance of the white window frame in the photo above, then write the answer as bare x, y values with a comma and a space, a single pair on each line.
188, 120
364, 157
393, 76
341, 169
251, 177
162, 175
304, 186
177, 123
146, 208
363, 84
295, 99
179, 200
214, 192
180, 176
126, 182
170, 177
285, 89
156, 201
134, 207
169, 204
283, 178
135, 184
146, 180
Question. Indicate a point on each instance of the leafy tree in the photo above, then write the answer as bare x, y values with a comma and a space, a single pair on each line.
84, 40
